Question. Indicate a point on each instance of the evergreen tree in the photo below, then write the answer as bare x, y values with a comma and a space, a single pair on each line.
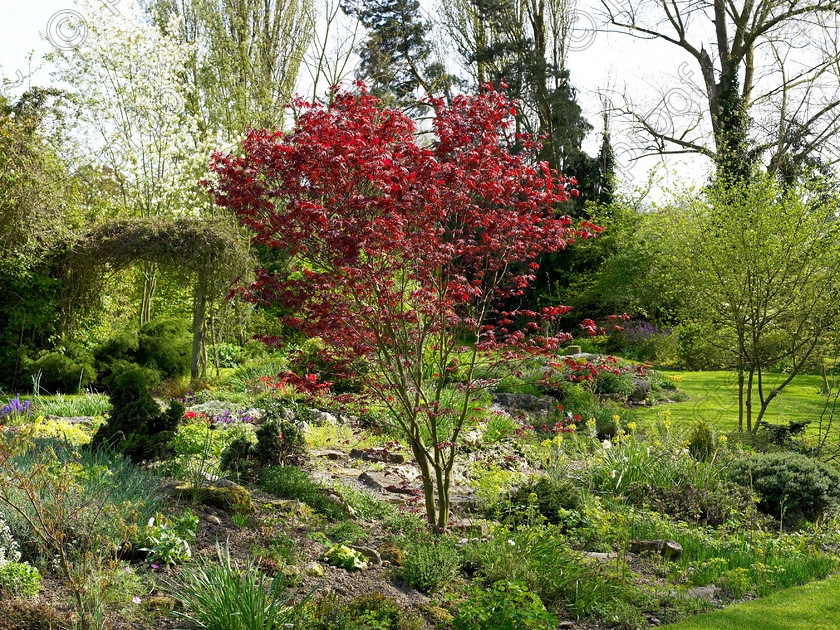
396, 57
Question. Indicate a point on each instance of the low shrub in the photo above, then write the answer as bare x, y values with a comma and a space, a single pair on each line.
166, 540
715, 505
369, 612
67, 369
347, 532
502, 606
790, 485
19, 578
702, 443
616, 385
136, 427
278, 443
540, 558
547, 496
429, 562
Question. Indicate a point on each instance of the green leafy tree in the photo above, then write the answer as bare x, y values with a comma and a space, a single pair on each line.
39, 206
244, 61
759, 264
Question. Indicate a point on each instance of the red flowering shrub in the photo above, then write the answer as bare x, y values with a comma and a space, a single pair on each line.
404, 247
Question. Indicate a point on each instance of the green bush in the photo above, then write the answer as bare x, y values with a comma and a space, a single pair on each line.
429, 562
120, 346
540, 557
693, 503
167, 541
19, 578
165, 344
548, 497
610, 384
278, 443
369, 612
68, 370
702, 443
503, 606
230, 355
136, 427
802, 486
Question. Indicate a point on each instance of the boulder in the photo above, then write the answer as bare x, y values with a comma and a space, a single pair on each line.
535, 405
707, 593
377, 455
641, 390
234, 498
668, 549
371, 555
322, 418
331, 455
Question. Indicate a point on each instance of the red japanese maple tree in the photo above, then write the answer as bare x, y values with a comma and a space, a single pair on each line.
404, 246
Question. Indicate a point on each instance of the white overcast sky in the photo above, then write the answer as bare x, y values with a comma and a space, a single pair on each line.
599, 61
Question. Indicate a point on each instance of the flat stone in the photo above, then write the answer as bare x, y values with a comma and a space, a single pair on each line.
331, 455
385, 482
312, 569
212, 518
707, 593
377, 455
371, 555
566, 625
600, 557
463, 502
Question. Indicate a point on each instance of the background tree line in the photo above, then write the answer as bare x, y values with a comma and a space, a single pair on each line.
155, 90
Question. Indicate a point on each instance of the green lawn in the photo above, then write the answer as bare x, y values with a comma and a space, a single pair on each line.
815, 606
714, 396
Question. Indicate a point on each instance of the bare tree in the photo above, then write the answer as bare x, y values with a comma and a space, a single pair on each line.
770, 62
330, 58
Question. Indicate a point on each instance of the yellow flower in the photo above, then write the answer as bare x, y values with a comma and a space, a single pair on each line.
723, 439
631, 425
616, 418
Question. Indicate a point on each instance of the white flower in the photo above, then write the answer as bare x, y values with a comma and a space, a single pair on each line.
511, 543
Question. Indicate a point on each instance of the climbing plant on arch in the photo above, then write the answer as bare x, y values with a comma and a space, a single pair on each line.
209, 252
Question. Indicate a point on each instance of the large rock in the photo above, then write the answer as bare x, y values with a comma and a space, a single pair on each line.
234, 498
707, 593
534, 405
385, 482
371, 555
641, 390
322, 418
668, 549
332, 455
